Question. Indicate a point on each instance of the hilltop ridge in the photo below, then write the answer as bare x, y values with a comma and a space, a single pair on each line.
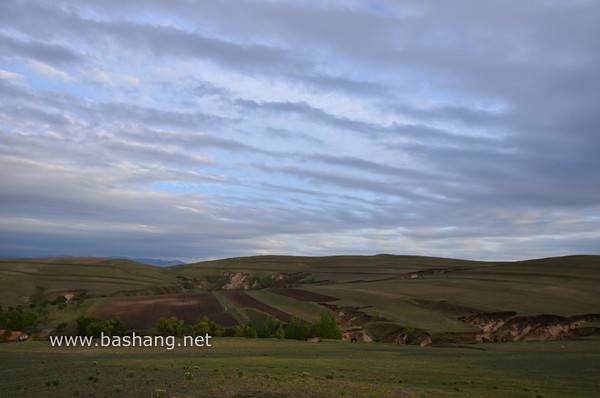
408, 299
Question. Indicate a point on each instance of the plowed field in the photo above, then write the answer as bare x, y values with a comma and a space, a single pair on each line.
304, 295
243, 300
141, 313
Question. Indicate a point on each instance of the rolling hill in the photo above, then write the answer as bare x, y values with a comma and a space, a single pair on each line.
408, 299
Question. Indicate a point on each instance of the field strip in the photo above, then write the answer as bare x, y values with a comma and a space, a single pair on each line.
243, 300
305, 295
141, 313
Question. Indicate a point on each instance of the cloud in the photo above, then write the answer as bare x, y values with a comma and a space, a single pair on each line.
48, 71
4, 74
49, 53
134, 81
212, 129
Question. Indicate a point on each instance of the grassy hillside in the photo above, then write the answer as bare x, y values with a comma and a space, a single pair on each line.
432, 294
27, 280
562, 286
336, 269
443, 303
23, 280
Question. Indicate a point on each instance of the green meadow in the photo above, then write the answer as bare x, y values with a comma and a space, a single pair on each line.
237, 367
379, 295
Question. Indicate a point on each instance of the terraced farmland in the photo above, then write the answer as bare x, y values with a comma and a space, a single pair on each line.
141, 313
243, 300
305, 295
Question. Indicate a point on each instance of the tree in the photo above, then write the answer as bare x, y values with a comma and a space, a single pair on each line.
206, 326
115, 327
170, 326
200, 328
245, 330
280, 333
327, 327
19, 319
88, 326
298, 329
77, 299
269, 328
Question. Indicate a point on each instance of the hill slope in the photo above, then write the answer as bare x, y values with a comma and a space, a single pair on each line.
381, 294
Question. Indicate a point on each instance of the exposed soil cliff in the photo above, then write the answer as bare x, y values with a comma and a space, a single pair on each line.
351, 316
241, 280
505, 326
237, 280
409, 336
356, 334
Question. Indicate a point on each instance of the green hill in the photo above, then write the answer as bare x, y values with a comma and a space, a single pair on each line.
376, 294
29, 280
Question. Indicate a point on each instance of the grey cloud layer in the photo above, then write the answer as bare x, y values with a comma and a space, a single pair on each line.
212, 129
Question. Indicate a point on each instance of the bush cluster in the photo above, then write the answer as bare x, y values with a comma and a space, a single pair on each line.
28, 320
325, 328
19, 318
88, 326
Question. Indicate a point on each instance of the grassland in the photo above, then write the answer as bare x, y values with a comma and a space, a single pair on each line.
25, 280
419, 292
235, 367
379, 294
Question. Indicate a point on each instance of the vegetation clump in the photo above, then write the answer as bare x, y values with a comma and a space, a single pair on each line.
206, 326
170, 327
20, 318
90, 326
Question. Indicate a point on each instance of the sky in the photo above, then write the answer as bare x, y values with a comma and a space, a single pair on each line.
195, 130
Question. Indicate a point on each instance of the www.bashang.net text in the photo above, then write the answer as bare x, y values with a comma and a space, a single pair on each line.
134, 340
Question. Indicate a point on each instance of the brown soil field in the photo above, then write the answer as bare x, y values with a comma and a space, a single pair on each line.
243, 300
304, 295
141, 313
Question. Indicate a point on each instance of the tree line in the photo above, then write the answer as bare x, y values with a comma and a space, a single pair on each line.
28, 319
298, 329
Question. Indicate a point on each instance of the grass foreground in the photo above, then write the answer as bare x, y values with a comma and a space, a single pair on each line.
380, 296
238, 367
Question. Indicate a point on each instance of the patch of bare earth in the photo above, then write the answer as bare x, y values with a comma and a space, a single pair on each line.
505, 326
237, 280
141, 313
351, 316
243, 300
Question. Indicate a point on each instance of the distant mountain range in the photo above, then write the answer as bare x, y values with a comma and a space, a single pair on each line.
150, 261
154, 261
